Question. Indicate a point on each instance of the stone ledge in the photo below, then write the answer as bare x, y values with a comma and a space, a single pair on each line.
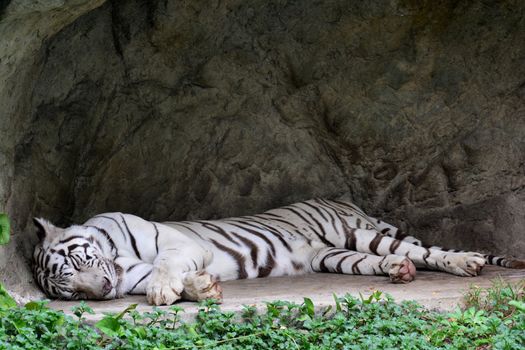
432, 289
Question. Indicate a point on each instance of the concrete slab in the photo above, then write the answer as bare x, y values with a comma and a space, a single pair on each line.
434, 290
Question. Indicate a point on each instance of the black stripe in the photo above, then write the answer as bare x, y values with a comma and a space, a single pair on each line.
374, 244
322, 264
326, 204
254, 250
354, 210
241, 269
268, 267
355, 268
275, 219
400, 235
296, 213
132, 267
349, 233
70, 238
272, 214
140, 280
427, 254
108, 238
255, 233
132, 238
316, 209
297, 265
394, 245
332, 220
339, 267
72, 247
321, 238
217, 229
380, 265
352, 207
351, 240
272, 230
73, 262
118, 224
156, 237
188, 228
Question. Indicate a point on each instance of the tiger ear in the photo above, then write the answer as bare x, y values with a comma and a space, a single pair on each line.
45, 229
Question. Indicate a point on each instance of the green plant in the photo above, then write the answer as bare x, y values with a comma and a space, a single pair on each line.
4, 229
366, 322
6, 300
497, 298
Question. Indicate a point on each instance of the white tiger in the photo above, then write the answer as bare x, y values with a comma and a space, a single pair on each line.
114, 254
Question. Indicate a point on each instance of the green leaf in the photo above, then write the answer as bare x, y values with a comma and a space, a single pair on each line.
19, 324
4, 229
131, 307
140, 332
6, 301
518, 305
310, 310
192, 331
34, 305
327, 310
109, 325
337, 303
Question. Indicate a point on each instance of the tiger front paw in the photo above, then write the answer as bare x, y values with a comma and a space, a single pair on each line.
403, 271
200, 285
161, 292
463, 264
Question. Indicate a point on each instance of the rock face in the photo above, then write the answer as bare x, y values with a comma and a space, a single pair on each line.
25, 26
171, 110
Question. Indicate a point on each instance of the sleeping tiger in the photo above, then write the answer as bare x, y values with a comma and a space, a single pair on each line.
114, 254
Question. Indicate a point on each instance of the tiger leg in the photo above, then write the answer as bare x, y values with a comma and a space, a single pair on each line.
509, 262
174, 269
461, 264
503, 261
340, 260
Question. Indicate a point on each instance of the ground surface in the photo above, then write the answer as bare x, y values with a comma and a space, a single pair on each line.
431, 289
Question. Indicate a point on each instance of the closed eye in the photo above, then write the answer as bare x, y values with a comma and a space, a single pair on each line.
78, 295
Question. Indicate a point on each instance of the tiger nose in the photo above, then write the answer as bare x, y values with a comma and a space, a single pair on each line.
106, 287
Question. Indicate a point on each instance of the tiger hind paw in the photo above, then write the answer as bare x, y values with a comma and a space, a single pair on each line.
200, 285
464, 264
403, 271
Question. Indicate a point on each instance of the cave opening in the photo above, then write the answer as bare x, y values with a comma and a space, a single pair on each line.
185, 110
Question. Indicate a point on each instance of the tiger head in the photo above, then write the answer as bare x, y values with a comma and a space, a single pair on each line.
76, 262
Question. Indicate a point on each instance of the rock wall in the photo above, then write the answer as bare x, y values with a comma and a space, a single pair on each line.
178, 110
25, 28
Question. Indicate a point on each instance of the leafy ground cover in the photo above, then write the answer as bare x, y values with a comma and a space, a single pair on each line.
493, 319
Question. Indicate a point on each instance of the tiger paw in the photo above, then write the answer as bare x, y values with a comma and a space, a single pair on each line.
163, 292
403, 271
200, 285
463, 264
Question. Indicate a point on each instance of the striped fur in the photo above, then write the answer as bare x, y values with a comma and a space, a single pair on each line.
113, 254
